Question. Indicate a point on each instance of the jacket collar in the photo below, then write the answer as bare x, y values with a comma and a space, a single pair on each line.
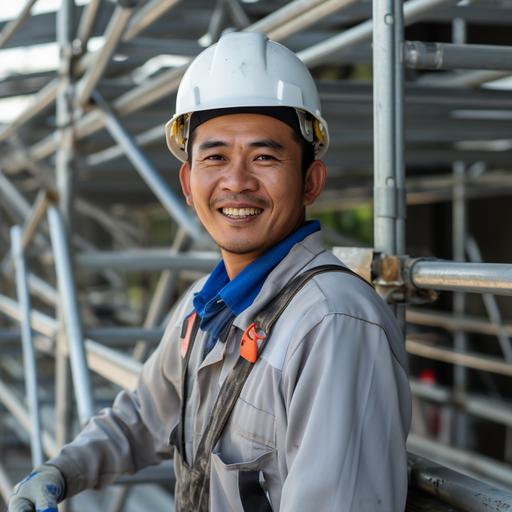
299, 257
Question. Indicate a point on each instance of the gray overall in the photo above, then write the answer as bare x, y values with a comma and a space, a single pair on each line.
193, 487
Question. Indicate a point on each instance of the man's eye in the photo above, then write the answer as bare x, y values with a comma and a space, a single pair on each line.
265, 157
214, 157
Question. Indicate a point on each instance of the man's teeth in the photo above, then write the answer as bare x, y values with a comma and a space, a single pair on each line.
241, 212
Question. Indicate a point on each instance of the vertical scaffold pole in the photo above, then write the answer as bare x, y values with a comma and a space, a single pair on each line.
389, 178
63, 180
29, 354
460, 374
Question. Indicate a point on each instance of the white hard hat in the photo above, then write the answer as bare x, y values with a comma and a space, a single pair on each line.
246, 69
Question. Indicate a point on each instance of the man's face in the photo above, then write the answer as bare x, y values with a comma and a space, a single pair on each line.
246, 185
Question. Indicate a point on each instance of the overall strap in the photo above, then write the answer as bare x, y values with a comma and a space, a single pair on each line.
188, 336
234, 382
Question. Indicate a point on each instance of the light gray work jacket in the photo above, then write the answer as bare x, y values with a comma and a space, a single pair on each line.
323, 417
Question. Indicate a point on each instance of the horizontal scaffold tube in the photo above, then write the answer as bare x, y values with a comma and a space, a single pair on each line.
493, 278
420, 55
454, 488
147, 260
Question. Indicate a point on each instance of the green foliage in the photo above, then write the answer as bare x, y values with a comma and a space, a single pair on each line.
356, 223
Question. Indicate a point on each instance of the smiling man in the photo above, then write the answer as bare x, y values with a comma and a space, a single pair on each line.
280, 382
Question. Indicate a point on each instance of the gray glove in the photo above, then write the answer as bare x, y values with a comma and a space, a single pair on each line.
41, 490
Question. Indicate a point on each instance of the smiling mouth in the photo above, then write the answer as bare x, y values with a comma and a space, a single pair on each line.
240, 213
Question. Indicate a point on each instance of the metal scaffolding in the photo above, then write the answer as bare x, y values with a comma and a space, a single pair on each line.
90, 205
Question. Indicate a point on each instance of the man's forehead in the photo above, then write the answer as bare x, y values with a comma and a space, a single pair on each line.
242, 126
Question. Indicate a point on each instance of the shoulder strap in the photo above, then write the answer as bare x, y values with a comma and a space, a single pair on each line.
234, 382
267, 317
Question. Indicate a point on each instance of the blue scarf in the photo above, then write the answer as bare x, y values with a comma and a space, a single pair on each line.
220, 299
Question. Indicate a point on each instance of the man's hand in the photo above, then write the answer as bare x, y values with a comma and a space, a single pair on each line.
41, 490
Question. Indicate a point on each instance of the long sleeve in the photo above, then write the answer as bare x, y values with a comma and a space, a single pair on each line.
348, 413
134, 432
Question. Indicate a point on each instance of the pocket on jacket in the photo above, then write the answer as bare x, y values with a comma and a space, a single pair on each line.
239, 486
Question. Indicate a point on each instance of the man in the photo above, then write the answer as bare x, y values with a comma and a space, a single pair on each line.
313, 413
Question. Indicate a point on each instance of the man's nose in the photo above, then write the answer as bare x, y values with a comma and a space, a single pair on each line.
238, 177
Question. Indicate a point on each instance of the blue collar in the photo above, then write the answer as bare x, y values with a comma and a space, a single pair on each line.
239, 293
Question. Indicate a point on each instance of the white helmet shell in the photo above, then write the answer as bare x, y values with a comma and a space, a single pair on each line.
246, 69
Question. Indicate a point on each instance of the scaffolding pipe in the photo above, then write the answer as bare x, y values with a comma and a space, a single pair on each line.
87, 20
318, 53
43, 199
123, 335
491, 305
113, 365
150, 175
467, 359
29, 354
453, 322
97, 66
6, 485
389, 199
147, 260
419, 55
484, 407
493, 278
11, 27
308, 18
40, 322
456, 489
283, 15
147, 15
68, 303
22, 416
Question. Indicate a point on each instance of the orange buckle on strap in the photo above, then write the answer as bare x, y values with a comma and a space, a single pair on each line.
188, 333
249, 344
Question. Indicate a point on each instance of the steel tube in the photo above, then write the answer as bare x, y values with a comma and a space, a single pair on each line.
11, 27
124, 335
150, 175
470, 277
316, 54
43, 199
21, 415
147, 15
283, 15
68, 303
114, 366
97, 66
308, 18
453, 322
385, 96
419, 55
491, 305
6, 484
467, 359
484, 407
459, 490
29, 355
147, 260
87, 22
40, 322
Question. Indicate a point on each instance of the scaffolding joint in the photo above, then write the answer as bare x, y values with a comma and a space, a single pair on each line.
392, 280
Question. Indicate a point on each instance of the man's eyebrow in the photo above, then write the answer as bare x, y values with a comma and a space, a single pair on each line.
212, 143
266, 143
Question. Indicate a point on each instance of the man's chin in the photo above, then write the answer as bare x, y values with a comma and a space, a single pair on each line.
240, 248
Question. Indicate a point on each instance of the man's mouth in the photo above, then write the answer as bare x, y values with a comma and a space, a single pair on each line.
240, 213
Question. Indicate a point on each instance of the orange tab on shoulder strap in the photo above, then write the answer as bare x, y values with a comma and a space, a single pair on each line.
185, 342
249, 344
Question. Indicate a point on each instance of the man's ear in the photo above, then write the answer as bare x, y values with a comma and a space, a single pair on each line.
185, 183
314, 181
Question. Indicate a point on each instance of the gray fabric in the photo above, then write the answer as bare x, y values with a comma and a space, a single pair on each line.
324, 414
